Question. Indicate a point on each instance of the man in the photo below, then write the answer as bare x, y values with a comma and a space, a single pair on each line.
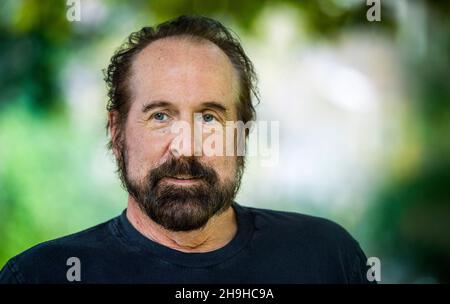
182, 224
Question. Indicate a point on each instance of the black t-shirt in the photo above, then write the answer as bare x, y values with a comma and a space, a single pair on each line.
269, 247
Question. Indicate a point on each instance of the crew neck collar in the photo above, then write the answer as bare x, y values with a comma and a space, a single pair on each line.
245, 227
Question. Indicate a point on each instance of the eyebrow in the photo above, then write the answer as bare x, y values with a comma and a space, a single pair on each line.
155, 104
216, 105
161, 104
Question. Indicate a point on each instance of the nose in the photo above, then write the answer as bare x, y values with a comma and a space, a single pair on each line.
187, 140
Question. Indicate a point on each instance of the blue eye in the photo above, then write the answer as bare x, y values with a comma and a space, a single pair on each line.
160, 116
208, 118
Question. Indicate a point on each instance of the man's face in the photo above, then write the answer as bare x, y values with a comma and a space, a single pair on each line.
171, 79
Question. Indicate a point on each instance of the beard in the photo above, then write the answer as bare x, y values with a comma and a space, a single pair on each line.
181, 207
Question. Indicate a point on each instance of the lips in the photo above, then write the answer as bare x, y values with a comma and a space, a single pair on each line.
184, 177
181, 179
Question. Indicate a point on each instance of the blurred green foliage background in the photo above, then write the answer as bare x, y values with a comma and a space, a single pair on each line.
57, 177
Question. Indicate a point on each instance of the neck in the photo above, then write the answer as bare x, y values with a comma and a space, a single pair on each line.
218, 232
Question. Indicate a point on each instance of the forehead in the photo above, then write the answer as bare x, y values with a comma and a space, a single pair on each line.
180, 69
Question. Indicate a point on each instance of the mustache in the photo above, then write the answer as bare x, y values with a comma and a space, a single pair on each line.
189, 166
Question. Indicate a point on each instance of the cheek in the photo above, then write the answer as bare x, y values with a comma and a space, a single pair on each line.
146, 150
225, 166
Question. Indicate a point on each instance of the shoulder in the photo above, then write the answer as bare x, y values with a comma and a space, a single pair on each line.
311, 241
87, 238
44, 257
300, 234
299, 225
